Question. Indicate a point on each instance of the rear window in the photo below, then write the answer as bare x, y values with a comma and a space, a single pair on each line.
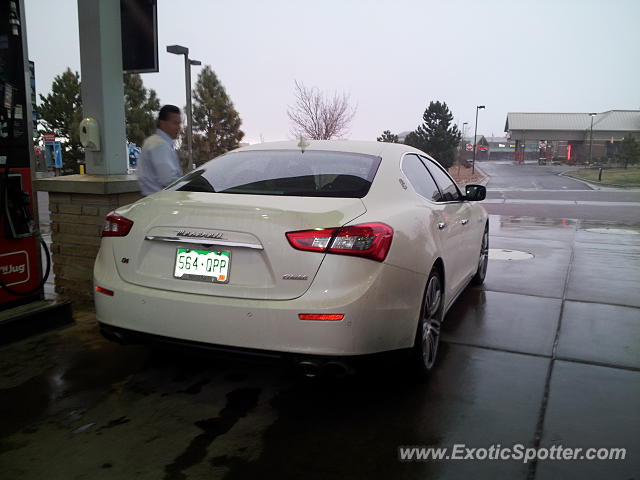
284, 172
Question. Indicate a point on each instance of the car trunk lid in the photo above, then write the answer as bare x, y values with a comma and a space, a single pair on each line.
251, 228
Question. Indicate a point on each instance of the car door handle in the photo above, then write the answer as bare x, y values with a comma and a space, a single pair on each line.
442, 225
464, 221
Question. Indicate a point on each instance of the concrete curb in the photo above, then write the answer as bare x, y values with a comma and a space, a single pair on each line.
486, 178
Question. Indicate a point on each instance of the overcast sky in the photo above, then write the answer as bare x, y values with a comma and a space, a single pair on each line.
392, 57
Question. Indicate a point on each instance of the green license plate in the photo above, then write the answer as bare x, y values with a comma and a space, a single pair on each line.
202, 265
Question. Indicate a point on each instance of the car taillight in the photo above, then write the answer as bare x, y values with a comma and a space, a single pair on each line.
116, 225
369, 240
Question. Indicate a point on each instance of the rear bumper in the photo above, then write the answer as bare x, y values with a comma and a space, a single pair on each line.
306, 365
380, 314
125, 336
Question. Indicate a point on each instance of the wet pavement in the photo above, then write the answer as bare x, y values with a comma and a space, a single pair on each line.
541, 191
602, 211
547, 352
507, 175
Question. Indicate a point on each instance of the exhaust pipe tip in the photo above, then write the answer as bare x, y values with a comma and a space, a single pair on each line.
308, 369
336, 369
113, 336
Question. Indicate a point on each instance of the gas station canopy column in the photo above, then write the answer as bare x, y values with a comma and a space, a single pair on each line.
102, 85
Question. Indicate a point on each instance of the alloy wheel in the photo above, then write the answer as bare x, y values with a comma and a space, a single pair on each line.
430, 322
484, 255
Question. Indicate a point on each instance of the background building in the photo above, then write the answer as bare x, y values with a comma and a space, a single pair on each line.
568, 137
500, 148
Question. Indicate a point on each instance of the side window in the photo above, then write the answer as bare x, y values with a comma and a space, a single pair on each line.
419, 177
450, 192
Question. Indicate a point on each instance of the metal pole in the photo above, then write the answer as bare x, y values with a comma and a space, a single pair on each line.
591, 140
475, 134
102, 86
187, 81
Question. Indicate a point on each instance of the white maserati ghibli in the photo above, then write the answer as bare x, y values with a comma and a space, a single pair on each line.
318, 251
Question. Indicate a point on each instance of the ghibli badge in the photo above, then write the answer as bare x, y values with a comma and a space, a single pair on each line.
289, 276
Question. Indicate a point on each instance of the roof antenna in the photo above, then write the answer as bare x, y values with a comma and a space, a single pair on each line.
303, 144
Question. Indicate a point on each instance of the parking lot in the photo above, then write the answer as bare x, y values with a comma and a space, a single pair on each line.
546, 353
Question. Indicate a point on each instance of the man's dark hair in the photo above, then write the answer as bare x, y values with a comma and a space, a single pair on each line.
166, 110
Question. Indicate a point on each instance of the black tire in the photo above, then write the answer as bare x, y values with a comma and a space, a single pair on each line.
483, 260
425, 348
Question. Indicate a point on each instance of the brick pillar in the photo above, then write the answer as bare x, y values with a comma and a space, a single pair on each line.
78, 205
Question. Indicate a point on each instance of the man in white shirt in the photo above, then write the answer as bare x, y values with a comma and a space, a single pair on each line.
158, 165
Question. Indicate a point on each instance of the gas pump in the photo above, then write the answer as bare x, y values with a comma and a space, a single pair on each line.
21, 279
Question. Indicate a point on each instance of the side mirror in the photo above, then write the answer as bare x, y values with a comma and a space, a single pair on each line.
475, 193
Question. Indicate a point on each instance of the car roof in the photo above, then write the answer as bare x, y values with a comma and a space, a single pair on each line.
378, 149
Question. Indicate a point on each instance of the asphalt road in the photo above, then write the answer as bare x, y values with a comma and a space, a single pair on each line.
506, 175
537, 191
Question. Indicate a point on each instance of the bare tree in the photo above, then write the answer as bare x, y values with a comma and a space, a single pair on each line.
318, 117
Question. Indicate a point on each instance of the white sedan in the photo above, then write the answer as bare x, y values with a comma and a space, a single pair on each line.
319, 251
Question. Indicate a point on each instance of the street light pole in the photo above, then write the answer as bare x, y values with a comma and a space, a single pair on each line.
189, 108
475, 134
187, 84
180, 50
591, 136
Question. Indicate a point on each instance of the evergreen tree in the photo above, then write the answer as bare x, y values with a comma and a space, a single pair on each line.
216, 123
412, 139
629, 151
141, 108
436, 136
388, 137
61, 112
